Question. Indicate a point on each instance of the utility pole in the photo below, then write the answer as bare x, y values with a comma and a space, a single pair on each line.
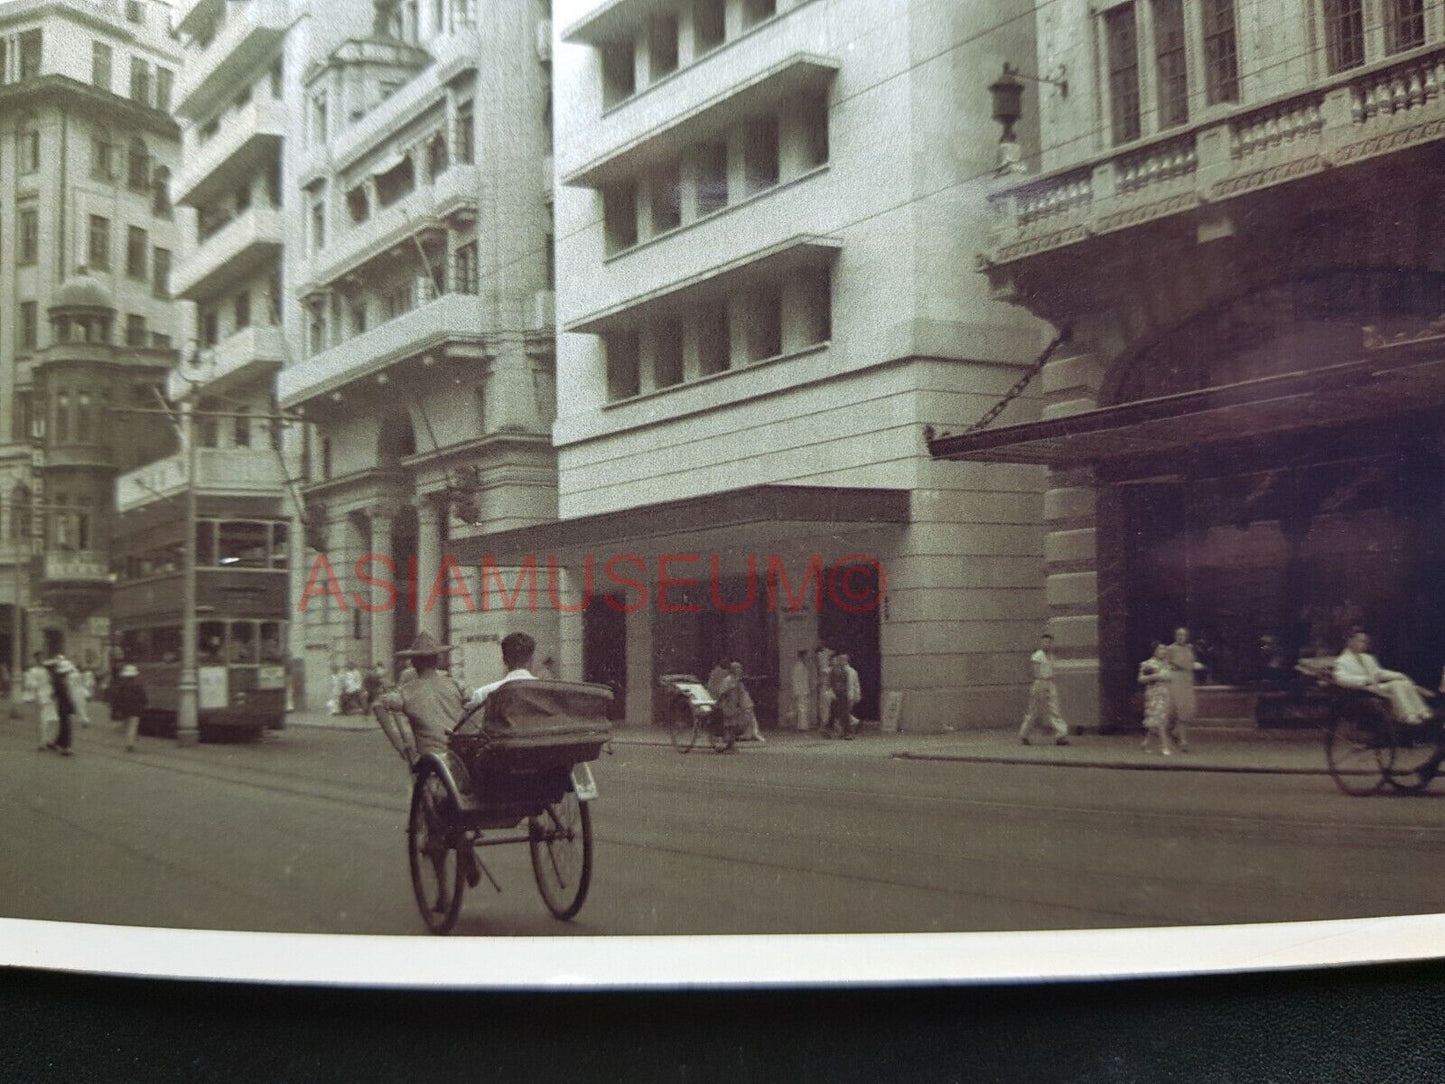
187, 728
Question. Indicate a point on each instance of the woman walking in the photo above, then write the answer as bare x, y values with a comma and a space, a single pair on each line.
1182, 665
128, 703
1155, 674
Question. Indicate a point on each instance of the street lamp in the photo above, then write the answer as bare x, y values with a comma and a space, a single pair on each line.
1007, 94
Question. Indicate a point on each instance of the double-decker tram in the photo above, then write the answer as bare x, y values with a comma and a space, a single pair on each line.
241, 626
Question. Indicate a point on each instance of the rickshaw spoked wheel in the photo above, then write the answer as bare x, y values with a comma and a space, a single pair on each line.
682, 727
431, 837
1360, 750
1415, 762
560, 839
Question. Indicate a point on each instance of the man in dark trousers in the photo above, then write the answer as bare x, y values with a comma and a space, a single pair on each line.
60, 668
127, 703
842, 709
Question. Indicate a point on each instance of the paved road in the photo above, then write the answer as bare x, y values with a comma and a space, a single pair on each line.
304, 832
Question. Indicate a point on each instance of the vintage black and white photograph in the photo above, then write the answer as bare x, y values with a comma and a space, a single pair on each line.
496, 468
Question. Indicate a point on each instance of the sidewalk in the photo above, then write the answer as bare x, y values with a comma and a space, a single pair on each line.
1296, 752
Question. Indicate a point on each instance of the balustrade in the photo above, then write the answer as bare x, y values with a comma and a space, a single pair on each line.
1276, 125
1160, 162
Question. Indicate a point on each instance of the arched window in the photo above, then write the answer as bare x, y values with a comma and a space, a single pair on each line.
102, 155
138, 166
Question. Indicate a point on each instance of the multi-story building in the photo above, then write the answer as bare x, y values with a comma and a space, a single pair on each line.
421, 286
88, 236
1232, 212
767, 215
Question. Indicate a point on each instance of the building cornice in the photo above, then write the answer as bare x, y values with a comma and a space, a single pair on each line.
29, 92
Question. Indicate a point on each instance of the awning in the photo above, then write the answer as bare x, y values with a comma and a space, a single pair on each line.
771, 511
1375, 387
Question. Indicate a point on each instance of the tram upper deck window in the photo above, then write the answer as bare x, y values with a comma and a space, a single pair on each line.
243, 643
166, 644
135, 645
211, 643
280, 545
205, 543
273, 642
242, 544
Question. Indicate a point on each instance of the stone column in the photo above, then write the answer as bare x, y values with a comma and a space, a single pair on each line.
383, 622
429, 512
1071, 385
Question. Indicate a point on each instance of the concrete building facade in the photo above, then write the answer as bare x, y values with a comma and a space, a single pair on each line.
420, 292
767, 214
1231, 210
86, 321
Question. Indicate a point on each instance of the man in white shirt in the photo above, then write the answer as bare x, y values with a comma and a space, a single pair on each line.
802, 682
1044, 695
1356, 668
38, 694
517, 651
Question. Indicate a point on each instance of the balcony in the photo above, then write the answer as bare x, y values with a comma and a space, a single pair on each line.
1347, 119
222, 472
246, 356
248, 139
447, 326
248, 33
428, 207
452, 54
191, 16
230, 254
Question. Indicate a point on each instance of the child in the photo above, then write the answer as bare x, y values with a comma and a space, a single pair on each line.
1155, 675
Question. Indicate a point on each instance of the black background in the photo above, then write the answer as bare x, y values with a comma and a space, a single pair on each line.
1373, 1024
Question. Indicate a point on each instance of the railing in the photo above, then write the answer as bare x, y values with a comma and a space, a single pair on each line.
256, 226
218, 470
262, 117
1351, 117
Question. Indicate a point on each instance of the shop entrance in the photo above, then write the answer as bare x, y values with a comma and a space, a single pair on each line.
604, 648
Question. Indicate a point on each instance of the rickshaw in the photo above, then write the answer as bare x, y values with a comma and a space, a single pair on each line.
1367, 749
687, 709
520, 758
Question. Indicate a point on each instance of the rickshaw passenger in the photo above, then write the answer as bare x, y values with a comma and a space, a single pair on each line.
517, 651
1356, 668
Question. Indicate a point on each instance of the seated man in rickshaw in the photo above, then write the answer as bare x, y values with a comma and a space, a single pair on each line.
1356, 668
517, 651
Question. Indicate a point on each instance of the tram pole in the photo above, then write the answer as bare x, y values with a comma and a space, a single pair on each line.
187, 730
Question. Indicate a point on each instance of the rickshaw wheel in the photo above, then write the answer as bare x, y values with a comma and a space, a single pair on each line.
1414, 764
436, 869
560, 840
682, 727
1360, 752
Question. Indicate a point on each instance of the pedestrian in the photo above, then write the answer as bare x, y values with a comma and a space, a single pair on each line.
823, 682
373, 684
352, 688
717, 679
38, 695
1043, 704
128, 703
1156, 675
839, 709
60, 669
79, 694
802, 684
747, 715
1183, 664
333, 705
855, 694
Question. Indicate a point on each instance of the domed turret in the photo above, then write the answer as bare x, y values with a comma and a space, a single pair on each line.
83, 293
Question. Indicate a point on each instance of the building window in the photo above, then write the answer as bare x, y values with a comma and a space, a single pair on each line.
326, 458
619, 73
137, 247
466, 266
100, 57
464, 140
396, 183
765, 324
27, 147
623, 370
136, 333
813, 111
29, 330
138, 166
210, 327
161, 273
1221, 52
319, 122
32, 47
84, 422
316, 320
1123, 52
712, 177
1170, 61
62, 423
619, 212
140, 81
666, 199
133, 12
755, 11
667, 353
662, 46
318, 225
1344, 34
709, 22
714, 337
358, 316
165, 81
208, 431
242, 431
549, 265
97, 249
242, 307
760, 153
817, 306
275, 76
1404, 24
29, 235
102, 161
436, 156
398, 301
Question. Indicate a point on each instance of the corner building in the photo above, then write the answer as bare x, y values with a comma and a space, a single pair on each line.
88, 237
420, 290
766, 219
1232, 209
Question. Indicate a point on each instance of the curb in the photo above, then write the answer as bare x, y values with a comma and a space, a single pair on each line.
1116, 765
